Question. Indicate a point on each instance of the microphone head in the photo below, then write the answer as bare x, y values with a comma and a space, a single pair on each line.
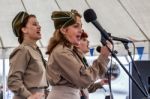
98, 49
90, 15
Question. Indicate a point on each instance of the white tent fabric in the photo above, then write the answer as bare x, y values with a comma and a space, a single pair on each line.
122, 18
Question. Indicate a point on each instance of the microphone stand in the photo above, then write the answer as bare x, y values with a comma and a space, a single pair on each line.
107, 37
116, 58
136, 69
109, 96
103, 41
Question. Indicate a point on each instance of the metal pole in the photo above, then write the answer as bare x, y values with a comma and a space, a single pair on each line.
148, 50
4, 74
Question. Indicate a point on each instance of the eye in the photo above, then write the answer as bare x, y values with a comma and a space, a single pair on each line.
84, 39
35, 23
77, 25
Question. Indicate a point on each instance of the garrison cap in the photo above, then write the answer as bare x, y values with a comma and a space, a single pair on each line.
17, 22
64, 18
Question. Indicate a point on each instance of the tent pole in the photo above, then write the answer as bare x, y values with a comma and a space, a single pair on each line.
148, 50
4, 74
4, 71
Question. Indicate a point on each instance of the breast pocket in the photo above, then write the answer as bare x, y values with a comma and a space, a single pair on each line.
37, 63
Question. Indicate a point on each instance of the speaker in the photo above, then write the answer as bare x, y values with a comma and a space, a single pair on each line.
144, 69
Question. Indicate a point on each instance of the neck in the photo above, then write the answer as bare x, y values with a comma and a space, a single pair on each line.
29, 40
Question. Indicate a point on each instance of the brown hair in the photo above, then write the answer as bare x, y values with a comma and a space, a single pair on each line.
20, 21
61, 19
84, 35
24, 23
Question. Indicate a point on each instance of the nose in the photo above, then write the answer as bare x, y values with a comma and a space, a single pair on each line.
80, 31
39, 27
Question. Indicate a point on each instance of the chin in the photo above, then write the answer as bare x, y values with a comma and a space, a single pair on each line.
76, 43
39, 37
87, 51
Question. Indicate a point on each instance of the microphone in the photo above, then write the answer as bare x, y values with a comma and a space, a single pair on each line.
90, 16
98, 49
123, 40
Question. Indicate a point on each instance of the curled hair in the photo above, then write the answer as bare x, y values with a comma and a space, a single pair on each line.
84, 34
57, 38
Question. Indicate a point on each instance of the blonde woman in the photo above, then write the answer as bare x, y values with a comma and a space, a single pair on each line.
66, 71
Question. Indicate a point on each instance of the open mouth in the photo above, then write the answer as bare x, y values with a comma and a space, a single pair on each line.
78, 37
88, 46
38, 32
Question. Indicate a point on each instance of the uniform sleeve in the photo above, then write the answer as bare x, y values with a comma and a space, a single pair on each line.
102, 62
93, 87
74, 71
18, 63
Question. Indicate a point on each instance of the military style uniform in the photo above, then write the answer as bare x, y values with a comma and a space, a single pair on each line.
67, 74
27, 73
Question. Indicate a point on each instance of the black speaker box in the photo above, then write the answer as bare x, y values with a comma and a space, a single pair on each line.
144, 69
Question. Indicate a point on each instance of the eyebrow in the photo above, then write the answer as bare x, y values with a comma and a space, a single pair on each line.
78, 23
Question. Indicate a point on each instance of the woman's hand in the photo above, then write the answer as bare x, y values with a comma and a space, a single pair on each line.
104, 82
105, 51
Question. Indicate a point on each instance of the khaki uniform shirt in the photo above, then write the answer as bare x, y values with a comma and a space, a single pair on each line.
26, 70
65, 68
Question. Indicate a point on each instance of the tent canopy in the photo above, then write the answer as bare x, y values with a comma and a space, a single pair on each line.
122, 18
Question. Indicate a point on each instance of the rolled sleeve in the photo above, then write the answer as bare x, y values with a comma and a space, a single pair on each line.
102, 62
